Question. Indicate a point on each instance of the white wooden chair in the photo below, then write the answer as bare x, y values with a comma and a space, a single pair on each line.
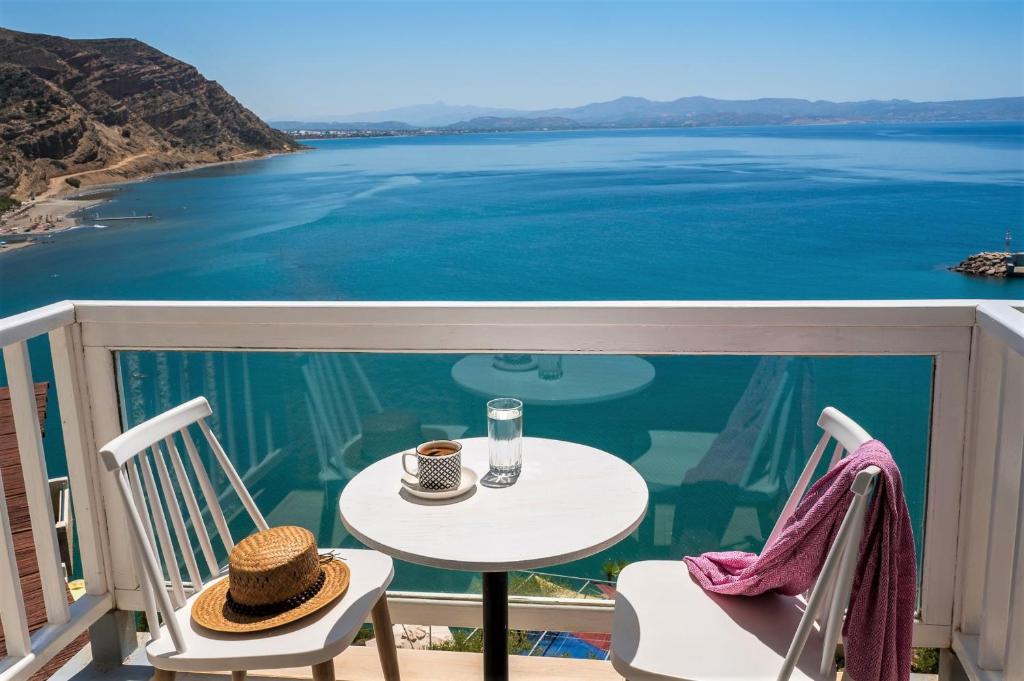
667, 627
178, 645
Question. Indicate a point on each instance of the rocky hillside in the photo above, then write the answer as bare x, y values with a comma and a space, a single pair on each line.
80, 112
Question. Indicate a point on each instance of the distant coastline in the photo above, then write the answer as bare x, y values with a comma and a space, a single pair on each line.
449, 131
640, 113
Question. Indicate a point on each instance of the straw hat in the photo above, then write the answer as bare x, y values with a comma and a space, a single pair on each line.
274, 577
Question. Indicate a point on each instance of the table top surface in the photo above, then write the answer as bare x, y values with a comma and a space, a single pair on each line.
585, 379
570, 501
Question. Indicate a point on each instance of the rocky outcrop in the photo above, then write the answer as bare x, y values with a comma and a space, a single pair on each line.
988, 264
71, 106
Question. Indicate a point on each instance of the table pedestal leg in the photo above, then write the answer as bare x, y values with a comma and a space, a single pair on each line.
495, 601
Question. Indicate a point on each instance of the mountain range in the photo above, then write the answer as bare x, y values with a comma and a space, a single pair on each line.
683, 112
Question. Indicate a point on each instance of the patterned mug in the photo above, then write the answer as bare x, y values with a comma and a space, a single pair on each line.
438, 464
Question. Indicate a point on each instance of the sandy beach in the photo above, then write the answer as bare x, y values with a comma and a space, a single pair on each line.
61, 206
43, 217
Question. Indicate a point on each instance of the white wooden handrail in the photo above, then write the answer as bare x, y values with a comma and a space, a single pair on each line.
1005, 321
26, 653
21, 327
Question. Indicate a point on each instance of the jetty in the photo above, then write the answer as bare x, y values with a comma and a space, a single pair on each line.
147, 216
992, 264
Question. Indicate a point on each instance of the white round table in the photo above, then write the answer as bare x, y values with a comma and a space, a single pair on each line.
585, 379
570, 501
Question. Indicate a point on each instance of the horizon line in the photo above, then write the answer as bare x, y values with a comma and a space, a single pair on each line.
339, 117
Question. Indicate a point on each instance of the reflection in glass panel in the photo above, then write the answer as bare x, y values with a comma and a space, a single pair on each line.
720, 440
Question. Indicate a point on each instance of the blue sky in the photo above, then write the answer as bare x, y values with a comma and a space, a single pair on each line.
314, 60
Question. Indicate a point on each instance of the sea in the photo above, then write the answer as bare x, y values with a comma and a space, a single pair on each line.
812, 212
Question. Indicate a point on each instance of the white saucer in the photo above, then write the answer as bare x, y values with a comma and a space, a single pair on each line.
467, 482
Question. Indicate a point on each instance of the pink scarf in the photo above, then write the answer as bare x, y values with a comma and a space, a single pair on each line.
880, 617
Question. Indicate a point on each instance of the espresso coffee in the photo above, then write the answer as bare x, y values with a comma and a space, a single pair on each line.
439, 451
438, 464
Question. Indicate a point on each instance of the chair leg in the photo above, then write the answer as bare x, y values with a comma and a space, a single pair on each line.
324, 671
238, 676
385, 636
163, 675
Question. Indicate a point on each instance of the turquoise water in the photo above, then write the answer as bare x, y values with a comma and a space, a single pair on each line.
867, 211
771, 213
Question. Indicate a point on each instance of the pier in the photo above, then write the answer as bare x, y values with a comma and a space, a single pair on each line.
147, 216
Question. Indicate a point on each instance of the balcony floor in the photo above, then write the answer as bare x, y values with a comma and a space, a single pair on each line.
360, 663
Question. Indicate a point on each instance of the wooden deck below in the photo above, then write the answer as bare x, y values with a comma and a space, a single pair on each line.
21, 530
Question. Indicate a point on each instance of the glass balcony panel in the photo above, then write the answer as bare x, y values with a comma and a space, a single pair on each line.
719, 439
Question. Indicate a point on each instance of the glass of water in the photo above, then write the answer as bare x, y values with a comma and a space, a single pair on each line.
549, 367
505, 439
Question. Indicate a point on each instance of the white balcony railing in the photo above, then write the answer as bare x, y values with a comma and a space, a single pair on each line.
973, 547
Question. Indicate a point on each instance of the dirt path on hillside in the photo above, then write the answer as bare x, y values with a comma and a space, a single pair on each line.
58, 182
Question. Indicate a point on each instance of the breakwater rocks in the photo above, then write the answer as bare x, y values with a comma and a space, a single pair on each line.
987, 264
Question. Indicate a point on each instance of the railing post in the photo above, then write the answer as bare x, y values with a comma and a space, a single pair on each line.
950, 392
1005, 500
979, 472
113, 637
86, 495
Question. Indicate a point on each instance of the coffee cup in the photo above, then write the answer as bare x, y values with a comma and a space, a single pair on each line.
438, 464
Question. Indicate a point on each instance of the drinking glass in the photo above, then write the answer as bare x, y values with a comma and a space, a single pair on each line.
549, 367
505, 439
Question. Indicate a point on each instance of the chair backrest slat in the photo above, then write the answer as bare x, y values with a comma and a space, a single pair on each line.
850, 531
357, 368
827, 601
336, 403
148, 600
318, 417
774, 414
349, 401
320, 437
159, 519
798, 490
146, 564
233, 477
775, 467
178, 522
341, 398
133, 480
194, 514
209, 495
837, 454
128, 455
840, 595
